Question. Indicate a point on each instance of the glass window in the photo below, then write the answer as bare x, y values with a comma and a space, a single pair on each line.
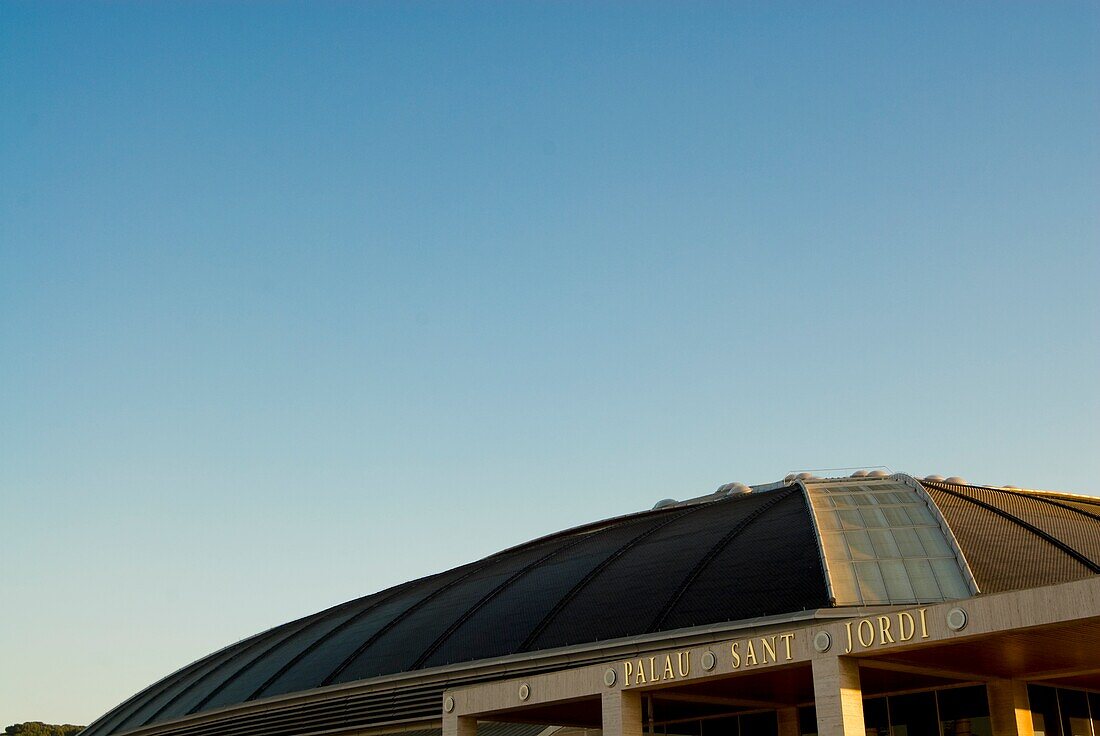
859, 543
920, 515
934, 543
913, 715
884, 544
923, 580
873, 518
964, 711
807, 721
877, 522
909, 542
897, 580
759, 724
1044, 710
827, 519
1074, 705
835, 548
844, 581
876, 717
720, 727
897, 517
871, 585
850, 518
947, 573
963, 702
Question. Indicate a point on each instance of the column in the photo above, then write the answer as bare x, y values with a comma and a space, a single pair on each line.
787, 718
459, 725
839, 699
1009, 710
622, 713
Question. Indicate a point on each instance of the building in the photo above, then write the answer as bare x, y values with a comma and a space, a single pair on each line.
860, 606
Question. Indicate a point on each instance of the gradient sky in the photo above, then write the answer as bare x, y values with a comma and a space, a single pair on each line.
298, 302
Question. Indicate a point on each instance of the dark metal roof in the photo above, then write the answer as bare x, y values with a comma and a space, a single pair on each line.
733, 558
1021, 539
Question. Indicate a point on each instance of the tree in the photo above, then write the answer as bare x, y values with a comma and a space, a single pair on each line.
38, 728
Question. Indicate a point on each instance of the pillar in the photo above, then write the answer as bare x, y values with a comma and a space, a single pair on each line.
838, 697
459, 725
787, 718
1009, 710
622, 713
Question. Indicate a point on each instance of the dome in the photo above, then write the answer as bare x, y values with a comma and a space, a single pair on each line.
787, 548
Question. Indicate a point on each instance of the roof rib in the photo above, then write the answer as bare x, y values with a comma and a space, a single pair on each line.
259, 655
714, 551
326, 636
125, 709
595, 571
384, 598
392, 623
163, 685
427, 653
1092, 566
1046, 500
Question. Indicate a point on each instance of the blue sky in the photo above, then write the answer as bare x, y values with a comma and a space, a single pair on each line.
301, 301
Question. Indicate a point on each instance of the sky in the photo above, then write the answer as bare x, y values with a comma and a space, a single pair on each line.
300, 301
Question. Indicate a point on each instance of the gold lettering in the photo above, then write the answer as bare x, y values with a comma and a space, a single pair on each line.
923, 624
668, 674
652, 669
786, 638
906, 618
769, 648
870, 633
750, 653
628, 670
639, 676
884, 634
848, 628
736, 655
683, 663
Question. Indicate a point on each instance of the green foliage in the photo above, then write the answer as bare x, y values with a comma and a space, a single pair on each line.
37, 728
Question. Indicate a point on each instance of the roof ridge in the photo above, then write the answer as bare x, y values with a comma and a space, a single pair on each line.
771, 501
595, 572
1083, 559
485, 599
1041, 496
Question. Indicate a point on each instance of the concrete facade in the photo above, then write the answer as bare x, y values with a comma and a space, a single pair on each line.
874, 603
1002, 641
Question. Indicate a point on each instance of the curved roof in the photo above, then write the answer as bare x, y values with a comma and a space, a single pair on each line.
723, 558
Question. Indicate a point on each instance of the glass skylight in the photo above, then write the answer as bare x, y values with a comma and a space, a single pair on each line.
883, 544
